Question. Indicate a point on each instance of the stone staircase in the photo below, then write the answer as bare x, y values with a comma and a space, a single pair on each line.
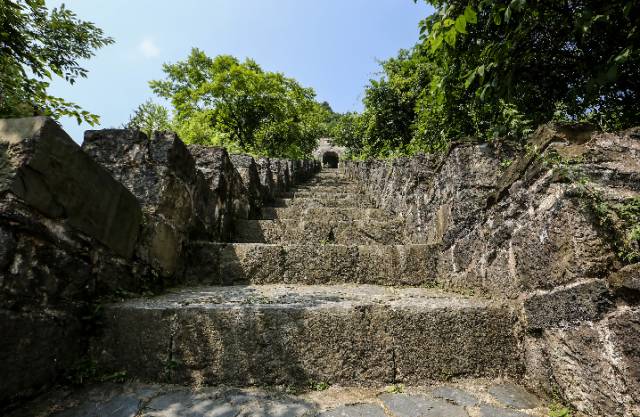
323, 288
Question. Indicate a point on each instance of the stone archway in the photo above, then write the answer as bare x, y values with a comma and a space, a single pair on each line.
330, 159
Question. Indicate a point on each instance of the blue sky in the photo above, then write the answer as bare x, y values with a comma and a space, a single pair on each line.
330, 45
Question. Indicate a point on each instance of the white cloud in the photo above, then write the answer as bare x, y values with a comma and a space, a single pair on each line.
148, 48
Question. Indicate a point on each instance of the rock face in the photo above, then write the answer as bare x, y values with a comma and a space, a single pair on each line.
544, 230
67, 234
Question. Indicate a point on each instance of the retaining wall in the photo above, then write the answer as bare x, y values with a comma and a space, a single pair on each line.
521, 225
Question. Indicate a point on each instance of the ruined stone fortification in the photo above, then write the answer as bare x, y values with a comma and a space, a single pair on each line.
484, 262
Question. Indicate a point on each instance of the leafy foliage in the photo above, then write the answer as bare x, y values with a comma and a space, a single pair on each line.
494, 69
149, 117
222, 101
37, 45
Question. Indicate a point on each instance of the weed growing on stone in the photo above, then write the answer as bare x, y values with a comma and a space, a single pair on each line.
620, 220
119, 377
319, 386
395, 389
506, 163
86, 371
558, 410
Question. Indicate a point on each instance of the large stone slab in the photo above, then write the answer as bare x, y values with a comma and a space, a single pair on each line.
320, 231
267, 182
314, 264
327, 213
564, 306
248, 170
45, 168
284, 334
222, 178
328, 200
169, 400
403, 405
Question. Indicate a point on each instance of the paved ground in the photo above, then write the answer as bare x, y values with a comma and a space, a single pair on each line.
477, 398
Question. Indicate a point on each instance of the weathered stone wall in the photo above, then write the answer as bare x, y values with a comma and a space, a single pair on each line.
527, 232
68, 232
117, 215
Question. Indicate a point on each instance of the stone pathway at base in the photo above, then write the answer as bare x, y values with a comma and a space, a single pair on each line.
470, 398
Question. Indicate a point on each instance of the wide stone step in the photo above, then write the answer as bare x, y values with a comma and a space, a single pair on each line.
320, 192
290, 335
320, 231
327, 188
325, 213
349, 200
259, 263
331, 181
469, 397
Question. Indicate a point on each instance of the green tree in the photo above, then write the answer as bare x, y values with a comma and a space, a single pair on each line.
150, 117
494, 69
349, 131
530, 56
224, 101
37, 44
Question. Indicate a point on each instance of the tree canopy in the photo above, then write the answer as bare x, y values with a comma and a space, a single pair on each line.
149, 117
497, 68
37, 44
222, 101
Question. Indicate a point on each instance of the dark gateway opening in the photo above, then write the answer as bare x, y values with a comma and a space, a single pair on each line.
330, 160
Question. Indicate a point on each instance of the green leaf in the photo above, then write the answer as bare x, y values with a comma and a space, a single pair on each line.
622, 56
470, 15
461, 24
470, 78
450, 36
448, 22
483, 92
436, 42
507, 15
497, 19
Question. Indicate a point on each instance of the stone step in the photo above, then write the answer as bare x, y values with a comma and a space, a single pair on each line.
325, 213
259, 263
328, 188
290, 335
350, 200
329, 179
320, 192
463, 398
320, 231
330, 184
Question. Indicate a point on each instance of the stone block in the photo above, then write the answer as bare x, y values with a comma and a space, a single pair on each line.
566, 306
45, 168
248, 170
